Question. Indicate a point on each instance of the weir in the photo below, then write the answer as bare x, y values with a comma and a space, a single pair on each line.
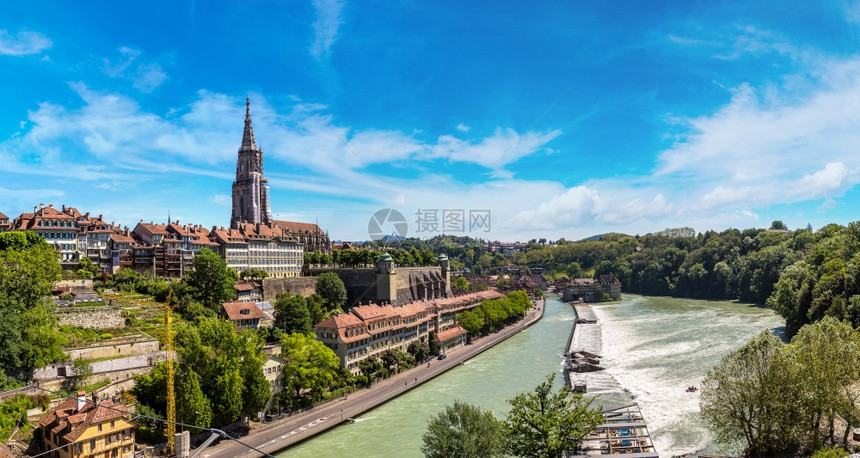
625, 430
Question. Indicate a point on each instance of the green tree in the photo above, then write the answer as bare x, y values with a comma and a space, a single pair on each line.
312, 369
28, 270
463, 431
82, 371
192, 406
256, 390
545, 424
370, 368
829, 354
227, 362
778, 225
460, 285
211, 282
150, 389
471, 322
316, 308
749, 398
332, 289
291, 314
86, 268
256, 274
419, 350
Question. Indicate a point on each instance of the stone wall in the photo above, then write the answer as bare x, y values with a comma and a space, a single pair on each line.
108, 350
91, 317
77, 285
301, 285
409, 284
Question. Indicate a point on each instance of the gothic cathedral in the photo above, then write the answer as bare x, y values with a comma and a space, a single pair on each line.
251, 195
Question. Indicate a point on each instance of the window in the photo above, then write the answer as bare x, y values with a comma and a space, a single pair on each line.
92, 444
112, 424
79, 447
100, 427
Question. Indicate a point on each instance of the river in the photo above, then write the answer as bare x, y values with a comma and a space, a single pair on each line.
662, 346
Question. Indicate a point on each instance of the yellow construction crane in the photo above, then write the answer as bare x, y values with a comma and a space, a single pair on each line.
170, 427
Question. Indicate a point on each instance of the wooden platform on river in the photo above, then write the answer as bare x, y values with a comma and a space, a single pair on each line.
624, 433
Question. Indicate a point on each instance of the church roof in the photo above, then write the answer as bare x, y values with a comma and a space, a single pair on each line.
298, 228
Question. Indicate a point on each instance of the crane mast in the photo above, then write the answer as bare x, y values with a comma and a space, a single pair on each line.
170, 427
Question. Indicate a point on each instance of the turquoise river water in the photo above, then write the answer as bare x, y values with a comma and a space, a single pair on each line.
653, 346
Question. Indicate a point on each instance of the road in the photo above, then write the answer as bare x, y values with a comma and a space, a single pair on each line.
286, 432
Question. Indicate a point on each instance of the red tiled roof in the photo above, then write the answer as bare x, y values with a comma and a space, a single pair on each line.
298, 228
234, 311
451, 333
66, 417
245, 286
155, 229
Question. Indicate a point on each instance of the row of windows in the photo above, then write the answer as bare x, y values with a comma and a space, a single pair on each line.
58, 235
57, 223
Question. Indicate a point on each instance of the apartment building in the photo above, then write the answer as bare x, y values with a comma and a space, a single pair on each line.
86, 427
369, 330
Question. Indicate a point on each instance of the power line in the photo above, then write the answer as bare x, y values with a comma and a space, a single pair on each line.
219, 432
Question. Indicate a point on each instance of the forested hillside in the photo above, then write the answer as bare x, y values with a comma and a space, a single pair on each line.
804, 275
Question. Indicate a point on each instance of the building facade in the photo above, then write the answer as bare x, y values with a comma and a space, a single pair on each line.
84, 428
369, 330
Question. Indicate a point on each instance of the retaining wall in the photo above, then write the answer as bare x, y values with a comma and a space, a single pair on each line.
91, 317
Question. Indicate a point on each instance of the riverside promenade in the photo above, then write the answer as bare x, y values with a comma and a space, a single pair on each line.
279, 435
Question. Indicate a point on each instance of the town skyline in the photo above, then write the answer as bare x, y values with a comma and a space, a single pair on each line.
560, 120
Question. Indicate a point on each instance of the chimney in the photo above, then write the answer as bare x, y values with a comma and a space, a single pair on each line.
95, 399
82, 400
88, 215
64, 208
41, 205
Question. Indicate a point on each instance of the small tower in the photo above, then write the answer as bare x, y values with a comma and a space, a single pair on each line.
445, 264
385, 265
386, 280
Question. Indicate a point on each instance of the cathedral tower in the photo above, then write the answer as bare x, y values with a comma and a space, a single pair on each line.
250, 190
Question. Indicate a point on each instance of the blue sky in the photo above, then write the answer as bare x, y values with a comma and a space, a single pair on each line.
563, 119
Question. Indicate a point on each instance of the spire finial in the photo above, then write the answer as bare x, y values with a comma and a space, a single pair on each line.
248, 134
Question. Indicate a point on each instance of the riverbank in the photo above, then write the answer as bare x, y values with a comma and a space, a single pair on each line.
277, 436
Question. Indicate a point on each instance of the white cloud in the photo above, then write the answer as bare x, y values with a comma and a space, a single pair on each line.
823, 183
326, 26
221, 199
145, 76
23, 43
503, 147
463, 128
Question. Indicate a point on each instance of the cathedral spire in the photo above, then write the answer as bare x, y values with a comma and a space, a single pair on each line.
248, 136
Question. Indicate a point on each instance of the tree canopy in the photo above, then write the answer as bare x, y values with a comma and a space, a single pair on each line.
226, 366
292, 314
768, 397
28, 270
331, 288
463, 431
312, 370
544, 423
211, 282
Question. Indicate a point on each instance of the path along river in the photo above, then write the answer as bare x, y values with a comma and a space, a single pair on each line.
656, 347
